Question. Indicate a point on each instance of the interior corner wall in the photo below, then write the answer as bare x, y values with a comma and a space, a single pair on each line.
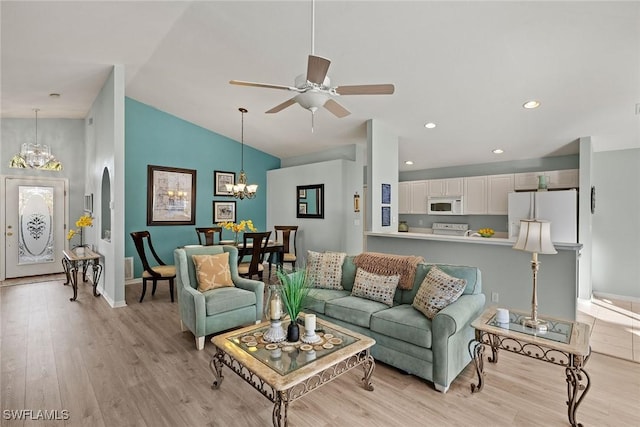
616, 233
585, 222
105, 149
382, 168
337, 231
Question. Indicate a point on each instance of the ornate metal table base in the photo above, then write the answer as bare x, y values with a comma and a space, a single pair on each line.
71, 271
282, 398
578, 381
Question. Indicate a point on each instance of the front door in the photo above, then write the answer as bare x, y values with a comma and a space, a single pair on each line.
35, 232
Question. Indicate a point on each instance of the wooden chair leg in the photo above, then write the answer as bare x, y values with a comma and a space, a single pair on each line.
153, 291
144, 289
171, 288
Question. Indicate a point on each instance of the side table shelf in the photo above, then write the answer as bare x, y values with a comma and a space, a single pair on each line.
72, 261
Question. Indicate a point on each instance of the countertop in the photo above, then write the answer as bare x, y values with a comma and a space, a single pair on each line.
495, 240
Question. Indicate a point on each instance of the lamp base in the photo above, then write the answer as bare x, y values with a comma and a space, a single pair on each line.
537, 324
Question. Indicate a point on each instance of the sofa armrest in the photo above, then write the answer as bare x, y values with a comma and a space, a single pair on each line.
451, 333
254, 286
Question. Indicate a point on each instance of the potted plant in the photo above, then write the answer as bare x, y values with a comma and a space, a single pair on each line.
295, 289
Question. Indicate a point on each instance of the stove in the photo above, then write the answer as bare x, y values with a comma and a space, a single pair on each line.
443, 228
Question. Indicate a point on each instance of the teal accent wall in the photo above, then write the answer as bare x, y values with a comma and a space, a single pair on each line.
153, 137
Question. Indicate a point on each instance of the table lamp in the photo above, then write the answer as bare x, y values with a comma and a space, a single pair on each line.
535, 237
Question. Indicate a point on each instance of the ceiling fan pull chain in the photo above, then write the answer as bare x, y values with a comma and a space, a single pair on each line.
313, 116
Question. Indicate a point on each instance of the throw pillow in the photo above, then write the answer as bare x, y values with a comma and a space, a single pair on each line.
437, 291
375, 287
212, 271
325, 269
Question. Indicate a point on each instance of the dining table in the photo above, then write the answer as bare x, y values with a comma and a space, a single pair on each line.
274, 249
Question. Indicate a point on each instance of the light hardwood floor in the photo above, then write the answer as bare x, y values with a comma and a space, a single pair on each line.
133, 366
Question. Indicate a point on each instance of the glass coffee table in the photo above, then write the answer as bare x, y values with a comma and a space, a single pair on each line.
565, 343
284, 372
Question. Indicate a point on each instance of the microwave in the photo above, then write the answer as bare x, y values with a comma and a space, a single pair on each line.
448, 205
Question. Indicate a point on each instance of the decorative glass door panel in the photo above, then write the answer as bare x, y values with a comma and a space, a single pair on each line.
35, 238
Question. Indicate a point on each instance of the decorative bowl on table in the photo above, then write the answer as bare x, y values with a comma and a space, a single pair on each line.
486, 232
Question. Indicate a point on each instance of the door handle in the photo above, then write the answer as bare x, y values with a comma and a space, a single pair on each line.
9, 234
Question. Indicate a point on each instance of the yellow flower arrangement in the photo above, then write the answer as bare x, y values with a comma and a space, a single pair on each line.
237, 227
84, 221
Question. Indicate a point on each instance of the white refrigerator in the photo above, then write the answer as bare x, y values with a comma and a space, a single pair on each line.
558, 207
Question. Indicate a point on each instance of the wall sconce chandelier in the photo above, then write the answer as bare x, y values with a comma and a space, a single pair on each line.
242, 190
34, 155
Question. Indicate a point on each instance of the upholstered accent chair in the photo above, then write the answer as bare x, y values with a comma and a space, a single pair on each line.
219, 309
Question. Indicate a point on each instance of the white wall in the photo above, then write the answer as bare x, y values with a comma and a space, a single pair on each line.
616, 223
338, 231
382, 168
105, 148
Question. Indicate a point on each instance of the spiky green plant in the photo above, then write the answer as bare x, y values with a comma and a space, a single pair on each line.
295, 289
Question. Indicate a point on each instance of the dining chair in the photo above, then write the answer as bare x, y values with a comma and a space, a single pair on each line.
258, 243
209, 234
287, 235
161, 271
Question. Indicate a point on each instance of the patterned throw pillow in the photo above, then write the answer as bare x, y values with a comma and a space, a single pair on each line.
437, 291
325, 269
375, 287
212, 271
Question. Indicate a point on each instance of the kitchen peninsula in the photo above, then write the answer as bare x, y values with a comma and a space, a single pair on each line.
506, 273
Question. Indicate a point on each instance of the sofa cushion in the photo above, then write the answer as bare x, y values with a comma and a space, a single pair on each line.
318, 297
437, 291
375, 287
353, 310
404, 323
221, 300
212, 271
325, 269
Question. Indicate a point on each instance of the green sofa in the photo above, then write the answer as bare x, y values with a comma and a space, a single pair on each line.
216, 310
436, 350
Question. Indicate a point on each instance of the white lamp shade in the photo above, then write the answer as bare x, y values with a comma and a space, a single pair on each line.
535, 236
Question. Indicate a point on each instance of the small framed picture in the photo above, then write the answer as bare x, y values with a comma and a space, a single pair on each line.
386, 194
220, 181
386, 216
302, 193
224, 211
302, 208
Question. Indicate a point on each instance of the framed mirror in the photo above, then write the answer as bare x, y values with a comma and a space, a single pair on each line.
310, 201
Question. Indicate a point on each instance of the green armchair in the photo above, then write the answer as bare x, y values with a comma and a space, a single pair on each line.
205, 313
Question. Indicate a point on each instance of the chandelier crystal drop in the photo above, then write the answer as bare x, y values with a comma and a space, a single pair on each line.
242, 190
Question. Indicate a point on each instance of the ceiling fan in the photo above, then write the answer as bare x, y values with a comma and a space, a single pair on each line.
314, 89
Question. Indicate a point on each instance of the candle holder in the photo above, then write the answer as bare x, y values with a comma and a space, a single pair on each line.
274, 312
310, 336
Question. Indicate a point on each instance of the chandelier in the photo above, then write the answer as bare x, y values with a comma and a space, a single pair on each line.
34, 155
242, 190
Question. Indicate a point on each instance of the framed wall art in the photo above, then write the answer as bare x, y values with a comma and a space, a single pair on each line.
171, 196
386, 194
220, 181
224, 211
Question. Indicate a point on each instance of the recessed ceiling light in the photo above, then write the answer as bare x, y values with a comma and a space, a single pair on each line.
408, 162
497, 151
54, 95
430, 125
531, 104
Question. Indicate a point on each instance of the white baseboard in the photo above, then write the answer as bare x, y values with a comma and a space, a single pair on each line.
616, 297
110, 301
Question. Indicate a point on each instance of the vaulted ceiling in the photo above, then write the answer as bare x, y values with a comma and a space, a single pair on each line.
468, 67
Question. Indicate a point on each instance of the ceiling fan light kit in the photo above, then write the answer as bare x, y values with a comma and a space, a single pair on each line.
315, 90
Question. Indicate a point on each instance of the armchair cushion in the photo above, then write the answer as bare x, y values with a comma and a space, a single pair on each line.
437, 291
225, 299
212, 271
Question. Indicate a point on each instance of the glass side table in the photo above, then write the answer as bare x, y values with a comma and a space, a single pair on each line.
565, 343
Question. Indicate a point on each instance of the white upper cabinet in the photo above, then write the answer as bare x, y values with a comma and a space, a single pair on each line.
475, 195
446, 187
567, 178
413, 197
499, 187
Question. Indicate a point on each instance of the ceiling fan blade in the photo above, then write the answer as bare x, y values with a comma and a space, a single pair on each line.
265, 85
317, 68
282, 106
337, 109
381, 89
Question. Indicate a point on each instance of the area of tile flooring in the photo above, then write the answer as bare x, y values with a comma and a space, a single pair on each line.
615, 326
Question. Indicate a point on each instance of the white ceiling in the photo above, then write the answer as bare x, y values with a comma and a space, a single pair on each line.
467, 66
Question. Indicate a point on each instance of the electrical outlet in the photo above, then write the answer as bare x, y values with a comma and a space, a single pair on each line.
494, 297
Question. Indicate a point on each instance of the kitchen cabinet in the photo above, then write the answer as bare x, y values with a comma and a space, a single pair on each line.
412, 197
475, 195
498, 189
445, 187
559, 179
